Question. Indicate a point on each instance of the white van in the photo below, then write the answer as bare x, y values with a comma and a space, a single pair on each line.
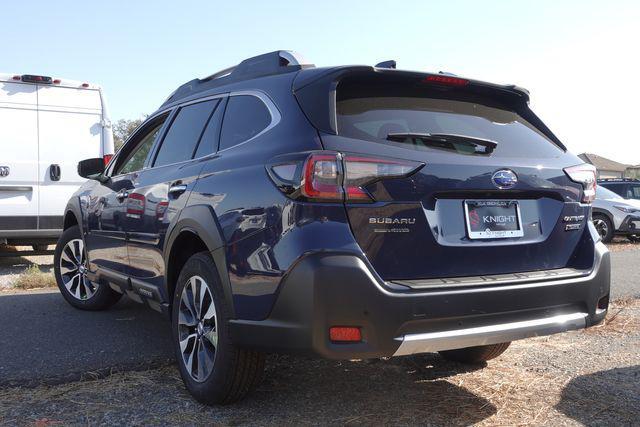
47, 125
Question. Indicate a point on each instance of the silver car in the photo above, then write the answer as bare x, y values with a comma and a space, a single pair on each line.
613, 215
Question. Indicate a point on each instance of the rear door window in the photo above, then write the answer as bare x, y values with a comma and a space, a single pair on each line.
245, 117
181, 139
365, 115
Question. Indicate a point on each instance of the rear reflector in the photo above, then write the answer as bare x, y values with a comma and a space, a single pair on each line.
584, 174
447, 80
107, 158
345, 334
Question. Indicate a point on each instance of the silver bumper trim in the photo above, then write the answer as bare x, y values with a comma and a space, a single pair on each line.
492, 334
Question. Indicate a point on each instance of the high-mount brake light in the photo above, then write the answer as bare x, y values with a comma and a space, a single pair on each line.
57, 81
18, 78
29, 78
584, 174
327, 176
446, 80
85, 85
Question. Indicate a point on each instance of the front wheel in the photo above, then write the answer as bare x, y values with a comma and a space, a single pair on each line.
213, 369
70, 267
604, 227
477, 354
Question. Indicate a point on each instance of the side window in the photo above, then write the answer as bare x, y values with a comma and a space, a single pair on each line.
209, 141
245, 117
134, 161
182, 137
635, 191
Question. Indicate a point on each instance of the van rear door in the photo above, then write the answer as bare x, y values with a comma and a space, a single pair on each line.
18, 158
70, 130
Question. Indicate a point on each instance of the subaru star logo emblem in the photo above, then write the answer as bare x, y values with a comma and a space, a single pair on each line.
504, 179
4, 171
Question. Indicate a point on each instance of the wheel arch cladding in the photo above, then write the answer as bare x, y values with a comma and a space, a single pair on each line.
196, 230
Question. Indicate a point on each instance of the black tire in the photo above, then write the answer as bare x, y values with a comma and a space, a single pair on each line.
604, 227
234, 372
40, 247
634, 238
102, 295
478, 354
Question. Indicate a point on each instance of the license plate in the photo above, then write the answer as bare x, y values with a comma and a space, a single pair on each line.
493, 219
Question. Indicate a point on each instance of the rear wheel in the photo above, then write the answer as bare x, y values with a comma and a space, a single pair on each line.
478, 354
604, 227
40, 247
213, 369
635, 238
70, 267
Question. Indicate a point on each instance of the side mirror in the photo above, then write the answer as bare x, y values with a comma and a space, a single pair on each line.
91, 168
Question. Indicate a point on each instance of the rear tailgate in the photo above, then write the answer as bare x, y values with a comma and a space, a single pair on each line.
431, 224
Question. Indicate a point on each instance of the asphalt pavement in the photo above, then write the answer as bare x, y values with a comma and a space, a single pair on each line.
44, 340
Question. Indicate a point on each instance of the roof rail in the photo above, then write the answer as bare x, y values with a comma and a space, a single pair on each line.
277, 62
618, 180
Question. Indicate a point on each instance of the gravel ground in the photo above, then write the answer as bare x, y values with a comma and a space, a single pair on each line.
587, 377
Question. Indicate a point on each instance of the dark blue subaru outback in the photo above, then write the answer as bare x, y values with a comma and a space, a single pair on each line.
345, 212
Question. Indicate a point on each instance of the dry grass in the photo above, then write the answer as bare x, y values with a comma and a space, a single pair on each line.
581, 377
34, 278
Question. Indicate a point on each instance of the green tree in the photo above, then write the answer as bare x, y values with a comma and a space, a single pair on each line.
122, 129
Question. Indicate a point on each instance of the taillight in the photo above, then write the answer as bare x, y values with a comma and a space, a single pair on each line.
362, 171
584, 174
322, 177
328, 176
107, 158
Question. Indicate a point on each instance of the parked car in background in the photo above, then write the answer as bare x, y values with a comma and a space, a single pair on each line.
627, 188
614, 215
343, 212
47, 125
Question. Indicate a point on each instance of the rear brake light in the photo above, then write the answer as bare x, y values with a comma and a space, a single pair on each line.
321, 178
328, 176
107, 158
584, 174
446, 80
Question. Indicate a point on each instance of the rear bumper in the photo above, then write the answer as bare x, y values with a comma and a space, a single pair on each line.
324, 290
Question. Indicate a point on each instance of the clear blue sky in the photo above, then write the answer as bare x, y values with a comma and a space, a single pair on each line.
565, 52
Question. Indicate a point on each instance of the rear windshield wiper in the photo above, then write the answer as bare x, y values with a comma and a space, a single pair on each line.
460, 143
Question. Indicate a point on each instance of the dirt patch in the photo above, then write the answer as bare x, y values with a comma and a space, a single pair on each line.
584, 377
622, 244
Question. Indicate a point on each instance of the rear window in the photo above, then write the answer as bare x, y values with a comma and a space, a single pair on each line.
373, 118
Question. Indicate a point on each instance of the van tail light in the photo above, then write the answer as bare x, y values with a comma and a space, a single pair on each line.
107, 158
584, 174
327, 176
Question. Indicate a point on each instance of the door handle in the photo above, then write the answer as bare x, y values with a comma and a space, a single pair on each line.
54, 172
122, 195
176, 190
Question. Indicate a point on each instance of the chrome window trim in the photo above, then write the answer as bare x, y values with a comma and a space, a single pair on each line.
276, 117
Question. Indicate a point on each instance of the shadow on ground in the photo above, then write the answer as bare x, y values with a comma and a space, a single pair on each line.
407, 390
596, 398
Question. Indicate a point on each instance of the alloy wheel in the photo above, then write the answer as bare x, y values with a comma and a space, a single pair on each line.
197, 328
601, 227
73, 270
